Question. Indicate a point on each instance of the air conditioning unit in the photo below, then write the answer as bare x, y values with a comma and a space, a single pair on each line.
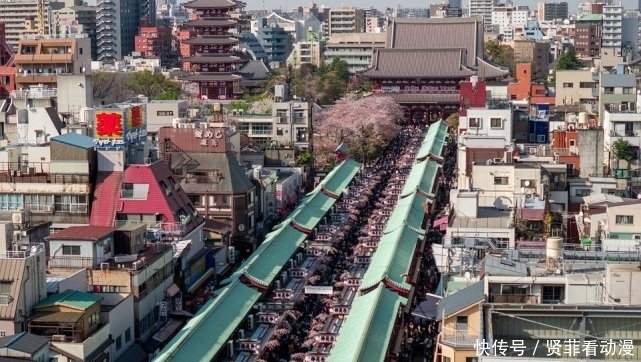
241, 334
17, 235
58, 338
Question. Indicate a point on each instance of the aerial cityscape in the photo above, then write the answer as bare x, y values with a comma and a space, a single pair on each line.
213, 180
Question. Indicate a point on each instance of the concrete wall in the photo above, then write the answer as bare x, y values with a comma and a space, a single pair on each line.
592, 158
75, 92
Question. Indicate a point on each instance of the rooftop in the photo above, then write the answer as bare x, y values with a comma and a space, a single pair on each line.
76, 140
24, 342
487, 217
71, 299
85, 232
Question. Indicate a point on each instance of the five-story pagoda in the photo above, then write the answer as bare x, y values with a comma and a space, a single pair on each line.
207, 48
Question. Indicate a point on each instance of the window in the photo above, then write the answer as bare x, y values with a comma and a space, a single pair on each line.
624, 220
119, 342
38, 203
471, 359
582, 192
628, 90
137, 191
496, 122
128, 335
534, 225
552, 294
568, 85
71, 250
164, 113
11, 202
540, 138
572, 143
195, 199
71, 203
570, 169
501, 180
474, 123
5, 287
279, 131
446, 359
585, 85
94, 319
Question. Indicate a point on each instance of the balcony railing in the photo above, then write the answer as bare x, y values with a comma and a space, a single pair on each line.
515, 298
459, 338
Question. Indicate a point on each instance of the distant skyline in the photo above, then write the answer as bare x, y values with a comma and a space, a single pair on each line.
287, 5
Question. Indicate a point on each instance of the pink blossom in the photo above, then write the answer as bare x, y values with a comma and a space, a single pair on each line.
313, 279
272, 344
297, 357
364, 124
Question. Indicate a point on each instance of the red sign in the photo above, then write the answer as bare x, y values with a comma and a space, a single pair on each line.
136, 117
109, 125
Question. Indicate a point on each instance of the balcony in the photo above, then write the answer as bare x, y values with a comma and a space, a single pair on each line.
459, 339
95, 343
35, 79
515, 299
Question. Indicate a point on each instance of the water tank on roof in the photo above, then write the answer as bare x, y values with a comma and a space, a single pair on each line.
554, 247
583, 118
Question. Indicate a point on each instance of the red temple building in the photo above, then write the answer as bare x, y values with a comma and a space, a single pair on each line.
424, 61
208, 48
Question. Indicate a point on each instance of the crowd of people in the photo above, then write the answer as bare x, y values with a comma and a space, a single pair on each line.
311, 312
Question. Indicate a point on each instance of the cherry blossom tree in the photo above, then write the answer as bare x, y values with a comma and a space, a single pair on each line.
365, 125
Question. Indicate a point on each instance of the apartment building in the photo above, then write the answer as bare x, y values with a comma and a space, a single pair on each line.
345, 20
154, 42
40, 59
513, 294
306, 52
508, 18
14, 13
547, 11
117, 24
589, 34
77, 19
354, 48
23, 284
482, 9
576, 87
147, 271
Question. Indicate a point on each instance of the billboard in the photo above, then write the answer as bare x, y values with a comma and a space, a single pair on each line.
115, 128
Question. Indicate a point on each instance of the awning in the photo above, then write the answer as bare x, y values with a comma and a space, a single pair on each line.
200, 280
168, 330
441, 223
531, 214
172, 290
427, 308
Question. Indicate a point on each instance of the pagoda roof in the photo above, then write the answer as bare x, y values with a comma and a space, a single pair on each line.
213, 77
418, 63
211, 22
213, 4
211, 59
211, 39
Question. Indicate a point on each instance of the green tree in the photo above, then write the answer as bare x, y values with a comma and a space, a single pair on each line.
622, 150
568, 60
500, 54
153, 85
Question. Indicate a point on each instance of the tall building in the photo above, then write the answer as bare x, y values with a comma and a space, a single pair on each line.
508, 18
552, 11
117, 23
589, 31
346, 20
535, 52
207, 48
612, 28
77, 19
154, 42
13, 14
483, 9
